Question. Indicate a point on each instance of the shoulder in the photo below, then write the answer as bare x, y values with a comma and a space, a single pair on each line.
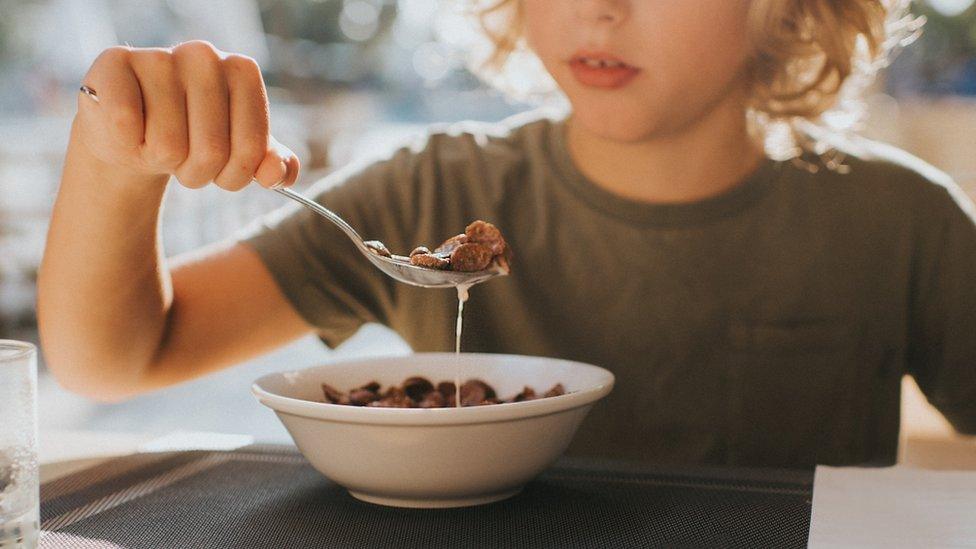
884, 174
509, 139
475, 162
507, 142
468, 154
885, 162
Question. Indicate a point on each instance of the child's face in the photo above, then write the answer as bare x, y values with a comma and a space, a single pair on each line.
681, 59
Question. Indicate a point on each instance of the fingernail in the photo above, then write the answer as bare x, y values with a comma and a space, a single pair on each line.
284, 170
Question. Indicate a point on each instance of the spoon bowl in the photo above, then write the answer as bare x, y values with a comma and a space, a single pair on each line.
403, 271
398, 267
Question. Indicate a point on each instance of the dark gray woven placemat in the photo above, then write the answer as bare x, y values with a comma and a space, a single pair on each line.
270, 497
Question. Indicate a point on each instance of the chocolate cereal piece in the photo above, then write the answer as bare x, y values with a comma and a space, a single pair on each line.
430, 261
450, 244
489, 390
378, 248
432, 399
417, 387
419, 392
528, 393
446, 388
475, 391
393, 402
503, 264
362, 397
472, 395
394, 397
471, 258
372, 386
333, 395
482, 232
480, 245
556, 390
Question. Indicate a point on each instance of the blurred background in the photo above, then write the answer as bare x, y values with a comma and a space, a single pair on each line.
346, 78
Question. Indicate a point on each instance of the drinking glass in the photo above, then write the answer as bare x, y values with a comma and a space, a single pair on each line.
19, 496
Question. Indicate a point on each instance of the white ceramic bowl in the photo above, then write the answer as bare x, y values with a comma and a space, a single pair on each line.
441, 457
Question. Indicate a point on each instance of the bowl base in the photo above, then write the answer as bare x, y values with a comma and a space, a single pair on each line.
434, 503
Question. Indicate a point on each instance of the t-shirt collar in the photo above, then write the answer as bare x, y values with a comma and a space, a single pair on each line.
729, 203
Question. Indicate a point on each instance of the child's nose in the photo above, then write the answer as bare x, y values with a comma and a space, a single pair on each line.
604, 11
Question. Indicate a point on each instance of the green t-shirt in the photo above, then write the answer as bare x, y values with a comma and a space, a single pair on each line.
768, 326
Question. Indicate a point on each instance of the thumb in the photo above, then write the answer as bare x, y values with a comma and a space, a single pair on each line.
280, 166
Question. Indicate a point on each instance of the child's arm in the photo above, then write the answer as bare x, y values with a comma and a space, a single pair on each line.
942, 353
114, 319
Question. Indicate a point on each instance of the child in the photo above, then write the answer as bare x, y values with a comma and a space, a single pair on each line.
755, 311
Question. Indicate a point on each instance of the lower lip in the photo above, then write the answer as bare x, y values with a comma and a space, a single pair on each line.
602, 77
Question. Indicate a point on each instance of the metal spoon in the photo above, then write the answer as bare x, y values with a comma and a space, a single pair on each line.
397, 267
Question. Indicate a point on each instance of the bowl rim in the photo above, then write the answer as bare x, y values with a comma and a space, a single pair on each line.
431, 416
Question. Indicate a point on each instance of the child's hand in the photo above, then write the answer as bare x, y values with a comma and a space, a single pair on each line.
191, 111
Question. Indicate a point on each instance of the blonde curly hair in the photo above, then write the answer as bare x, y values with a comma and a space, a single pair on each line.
809, 60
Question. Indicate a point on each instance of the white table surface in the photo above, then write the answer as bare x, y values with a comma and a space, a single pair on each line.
61, 453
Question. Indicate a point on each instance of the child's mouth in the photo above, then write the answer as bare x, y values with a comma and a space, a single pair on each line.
601, 71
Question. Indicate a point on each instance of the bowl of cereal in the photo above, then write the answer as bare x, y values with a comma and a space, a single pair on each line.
376, 427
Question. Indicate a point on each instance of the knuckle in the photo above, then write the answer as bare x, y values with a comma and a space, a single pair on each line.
242, 65
192, 180
197, 49
112, 56
211, 154
244, 167
169, 153
233, 183
248, 161
157, 58
251, 149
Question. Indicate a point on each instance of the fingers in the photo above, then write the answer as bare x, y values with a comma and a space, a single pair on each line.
249, 125
166, 142
190, 111
207, 111
116, 119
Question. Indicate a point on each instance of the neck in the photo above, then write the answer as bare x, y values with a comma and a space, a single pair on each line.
697, 161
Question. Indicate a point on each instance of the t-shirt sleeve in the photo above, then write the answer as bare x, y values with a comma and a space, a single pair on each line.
942, 350
318, 269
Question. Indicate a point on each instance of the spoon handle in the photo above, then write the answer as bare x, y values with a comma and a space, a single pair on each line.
324, 212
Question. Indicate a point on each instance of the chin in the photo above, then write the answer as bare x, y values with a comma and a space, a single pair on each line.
619, 124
